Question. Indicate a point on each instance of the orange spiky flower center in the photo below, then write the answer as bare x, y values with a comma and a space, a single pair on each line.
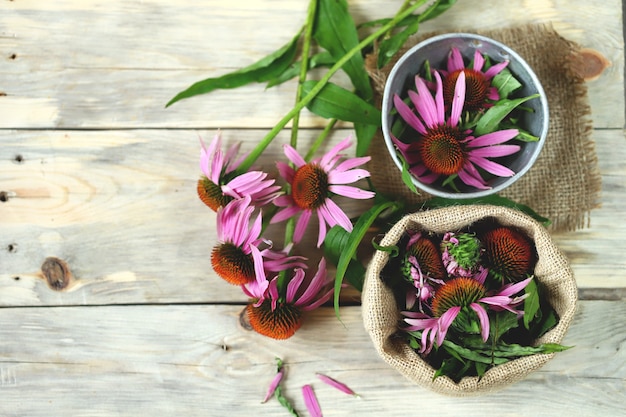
232, 264
428, 257
509, 253
458, 292
309, 188
441, 151
280, 323
476, 88
211, 194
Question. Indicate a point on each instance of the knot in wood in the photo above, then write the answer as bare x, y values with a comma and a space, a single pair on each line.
57, 273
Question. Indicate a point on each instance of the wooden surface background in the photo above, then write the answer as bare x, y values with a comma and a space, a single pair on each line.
95, 172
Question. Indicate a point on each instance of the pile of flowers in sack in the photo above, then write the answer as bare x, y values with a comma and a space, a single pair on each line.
469, 299
276, 281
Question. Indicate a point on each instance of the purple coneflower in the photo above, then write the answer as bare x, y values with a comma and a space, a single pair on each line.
312, 186
478, 82
238, 258
279, 316
220, 184
461, 294
443, 148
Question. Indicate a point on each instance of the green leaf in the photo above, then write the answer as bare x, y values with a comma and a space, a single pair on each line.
548, 321
322, 59
490, 121
364, 135
335, 243
335, 31
390, 46
470, 354
284, 401
493, 199
265, 69
506, 83
500, 323
358, 231
407, 178
334, 102
531, 303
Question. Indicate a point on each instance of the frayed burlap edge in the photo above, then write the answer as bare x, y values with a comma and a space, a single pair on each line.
564, 184
381, 315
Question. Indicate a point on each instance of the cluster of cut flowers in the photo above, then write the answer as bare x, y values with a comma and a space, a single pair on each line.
469, 299
460, 122
277, 281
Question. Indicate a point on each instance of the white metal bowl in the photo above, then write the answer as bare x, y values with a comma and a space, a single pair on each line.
436, 50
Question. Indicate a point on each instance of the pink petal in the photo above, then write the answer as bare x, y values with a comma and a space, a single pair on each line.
285, 171
479, 61
472, 180
301, 225
408, 115
347, 177
514, 288
352, 163
314, 287
424, 102
491, 167
493, 138
455, 60
458, 101
321, 233
294, 284
483, 318
334, 215
293, 156
285, 213
330, 158
445, 321
439, 104
310, 400
336, 384
494, 151
273, 385
351, 192
492, 71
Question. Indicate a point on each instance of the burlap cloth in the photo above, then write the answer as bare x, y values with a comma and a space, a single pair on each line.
564, 183
381, 315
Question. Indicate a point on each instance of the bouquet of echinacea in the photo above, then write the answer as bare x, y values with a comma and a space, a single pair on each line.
469, 122
468, 297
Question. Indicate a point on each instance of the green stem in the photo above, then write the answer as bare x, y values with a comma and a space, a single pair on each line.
304, 67
320, 139
269, 137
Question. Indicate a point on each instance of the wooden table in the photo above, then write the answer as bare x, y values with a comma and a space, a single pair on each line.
94, 171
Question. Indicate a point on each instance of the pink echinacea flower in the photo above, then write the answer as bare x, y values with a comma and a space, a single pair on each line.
220, 184
441, 147
312, 186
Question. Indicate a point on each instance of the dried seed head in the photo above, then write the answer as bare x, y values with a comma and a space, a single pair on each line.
280, 323
232, 264
509, 253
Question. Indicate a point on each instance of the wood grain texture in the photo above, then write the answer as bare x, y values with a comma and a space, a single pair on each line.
120, 208
88, 64
97, 192
197, 361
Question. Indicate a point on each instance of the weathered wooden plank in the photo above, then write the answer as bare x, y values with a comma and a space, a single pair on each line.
198, 361
72, 64
120, 208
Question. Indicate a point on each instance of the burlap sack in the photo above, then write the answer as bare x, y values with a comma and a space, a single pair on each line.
564, 183
381, 315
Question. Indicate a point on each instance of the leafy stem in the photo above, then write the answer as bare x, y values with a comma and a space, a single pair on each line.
269, 137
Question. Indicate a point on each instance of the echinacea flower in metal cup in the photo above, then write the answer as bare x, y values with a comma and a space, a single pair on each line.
279, 316
451, 140
442, 147
312, 186
220, 183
